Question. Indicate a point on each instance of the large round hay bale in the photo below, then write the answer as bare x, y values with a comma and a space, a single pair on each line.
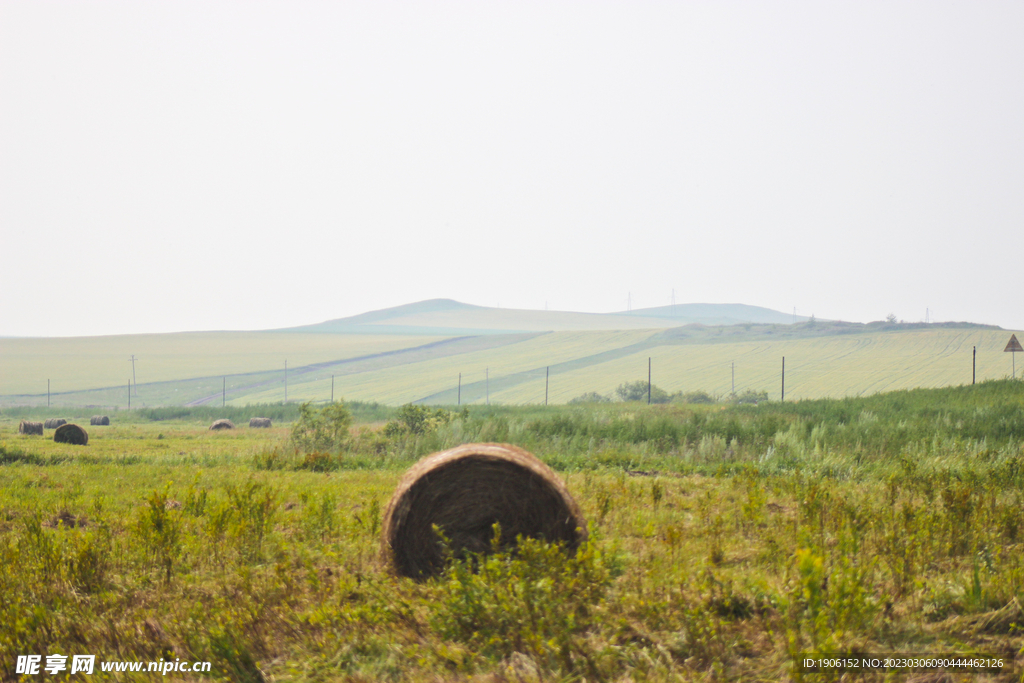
72, 434
259, 422
223, 424
464, 491
26, 427
54, 422
99, 420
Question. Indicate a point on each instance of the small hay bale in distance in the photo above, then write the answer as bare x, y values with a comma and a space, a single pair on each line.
223, 424
26, 427
55, 422
259, 422
72, 434
464, 491
99, 421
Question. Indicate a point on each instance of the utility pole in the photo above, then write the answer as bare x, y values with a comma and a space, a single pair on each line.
129, 394
223, 391
286, 381
974, 364
783, 378
734, 378
487, 385
547, 375
134, 381
460, 388
47, 393
332, 388
648, 380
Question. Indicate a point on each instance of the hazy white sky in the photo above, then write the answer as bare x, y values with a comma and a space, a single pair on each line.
246, 165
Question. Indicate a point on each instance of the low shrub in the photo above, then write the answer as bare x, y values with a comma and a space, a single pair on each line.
321, 429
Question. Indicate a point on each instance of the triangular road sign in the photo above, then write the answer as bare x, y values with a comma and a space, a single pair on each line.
1013, 345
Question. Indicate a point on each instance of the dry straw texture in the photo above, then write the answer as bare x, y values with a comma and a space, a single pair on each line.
223, 424
55, 422
26, 427
259, 421
72, 434
99, 420
464, 491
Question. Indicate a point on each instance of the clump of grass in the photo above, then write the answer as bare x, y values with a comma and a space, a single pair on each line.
534, 601
253, 508
159, 528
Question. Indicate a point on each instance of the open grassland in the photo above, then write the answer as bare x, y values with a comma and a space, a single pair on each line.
821, 361
250, 386
819, 367
816, 367
76, 364
726, 541
412, 382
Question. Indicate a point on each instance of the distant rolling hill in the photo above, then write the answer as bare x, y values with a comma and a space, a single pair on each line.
417, 353
448, 317
716, 314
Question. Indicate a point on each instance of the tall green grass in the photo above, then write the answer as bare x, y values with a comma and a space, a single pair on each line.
725, 542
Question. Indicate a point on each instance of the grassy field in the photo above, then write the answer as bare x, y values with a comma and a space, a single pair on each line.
822, 360
414, 381
815, 367
75, 364
726, 542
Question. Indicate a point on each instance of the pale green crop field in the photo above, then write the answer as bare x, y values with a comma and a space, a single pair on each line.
588, 361
815, 368
413, 381
188, 368
82, 363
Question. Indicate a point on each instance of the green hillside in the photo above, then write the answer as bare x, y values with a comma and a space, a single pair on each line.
823, 359
75, 364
